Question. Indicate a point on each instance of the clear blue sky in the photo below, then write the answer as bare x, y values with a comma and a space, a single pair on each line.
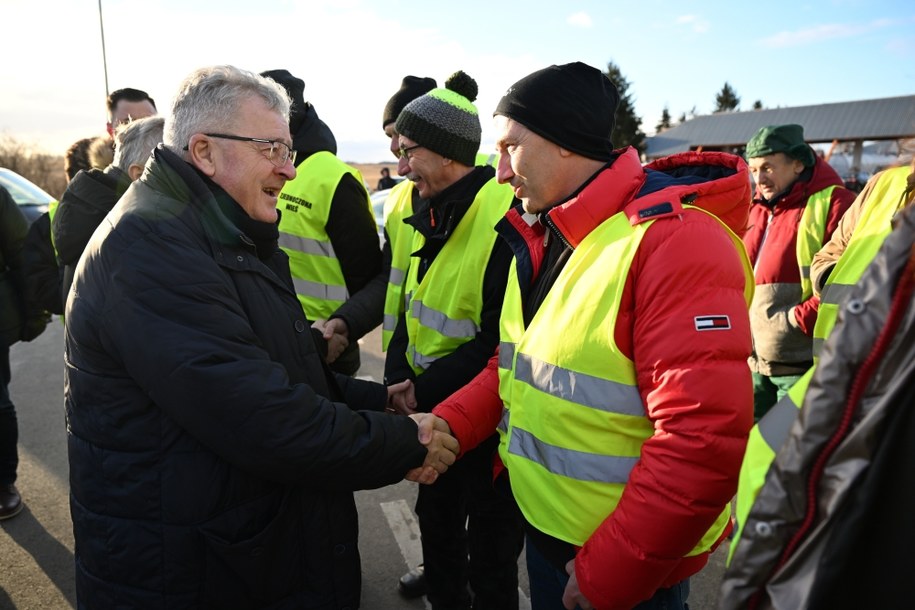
352, 54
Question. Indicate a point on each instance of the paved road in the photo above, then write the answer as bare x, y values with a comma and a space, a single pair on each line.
36, 548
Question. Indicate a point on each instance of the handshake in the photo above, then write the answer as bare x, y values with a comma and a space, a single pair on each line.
441, 447
434, 433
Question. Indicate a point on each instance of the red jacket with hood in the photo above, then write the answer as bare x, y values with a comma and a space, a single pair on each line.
781, 322
695, 385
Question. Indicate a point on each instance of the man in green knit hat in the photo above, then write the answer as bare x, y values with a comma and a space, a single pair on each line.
798, 203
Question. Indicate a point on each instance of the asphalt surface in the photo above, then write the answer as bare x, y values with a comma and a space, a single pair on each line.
36, 547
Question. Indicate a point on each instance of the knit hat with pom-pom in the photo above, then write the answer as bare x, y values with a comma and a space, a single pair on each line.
445, 120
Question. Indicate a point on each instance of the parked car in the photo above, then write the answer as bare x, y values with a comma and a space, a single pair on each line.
30, 198
378, 198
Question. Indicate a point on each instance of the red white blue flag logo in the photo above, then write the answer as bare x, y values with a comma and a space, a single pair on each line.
712, 323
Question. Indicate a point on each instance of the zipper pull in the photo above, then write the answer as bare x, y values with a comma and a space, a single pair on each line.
432, 216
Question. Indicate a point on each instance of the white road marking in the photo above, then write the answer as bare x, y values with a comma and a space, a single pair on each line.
405, 528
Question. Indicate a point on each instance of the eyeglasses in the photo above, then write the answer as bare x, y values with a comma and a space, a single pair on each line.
405, 151
278, 153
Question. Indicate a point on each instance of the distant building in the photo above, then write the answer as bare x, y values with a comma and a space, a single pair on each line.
841, 128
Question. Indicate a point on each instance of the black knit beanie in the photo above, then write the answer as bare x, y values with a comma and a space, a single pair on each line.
295, 88
572, 105
410, 89
445, 121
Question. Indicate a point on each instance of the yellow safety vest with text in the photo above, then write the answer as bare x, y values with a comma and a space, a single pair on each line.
443, 310
574, 422
397, 207
305, 205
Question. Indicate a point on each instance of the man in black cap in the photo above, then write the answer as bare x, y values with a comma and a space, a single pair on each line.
620, 389
327, 226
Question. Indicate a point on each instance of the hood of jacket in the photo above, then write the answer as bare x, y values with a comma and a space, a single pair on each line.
313, 135
716, 182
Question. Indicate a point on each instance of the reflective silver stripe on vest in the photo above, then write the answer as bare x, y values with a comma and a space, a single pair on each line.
389, 322
775, 424
441, 323
503, 423
577, 465
579, 388
818, 345
422, 360
835, 293
322, 292
506, 354
397, 276
805, 272
306, 245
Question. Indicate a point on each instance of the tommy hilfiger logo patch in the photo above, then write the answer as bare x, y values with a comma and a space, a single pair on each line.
712, 322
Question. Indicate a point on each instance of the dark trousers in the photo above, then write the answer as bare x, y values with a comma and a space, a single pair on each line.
472, 534
548, 583
9, 426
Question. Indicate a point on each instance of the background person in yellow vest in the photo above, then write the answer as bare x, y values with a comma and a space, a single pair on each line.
91, 194
799, 201
621, 381
326, 225
381, 299
453, 295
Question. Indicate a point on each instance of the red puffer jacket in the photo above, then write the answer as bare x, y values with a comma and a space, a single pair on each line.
695, 385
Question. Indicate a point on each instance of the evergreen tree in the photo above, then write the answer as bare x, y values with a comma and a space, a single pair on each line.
682, 118
665, 122
627, 130
726, 100
758, 105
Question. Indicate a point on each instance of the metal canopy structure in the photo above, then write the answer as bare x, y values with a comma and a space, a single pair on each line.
891, 118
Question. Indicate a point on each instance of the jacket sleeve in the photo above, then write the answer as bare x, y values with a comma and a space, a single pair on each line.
696, 387
211, 376
805, 313
824, 260
353, 234
449, 373
474, 411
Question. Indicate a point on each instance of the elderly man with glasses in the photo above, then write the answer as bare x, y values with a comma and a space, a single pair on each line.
212, 453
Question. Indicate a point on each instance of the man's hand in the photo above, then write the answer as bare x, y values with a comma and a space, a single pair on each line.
336, 342
442, 448
572, 595
402, 398
335, 326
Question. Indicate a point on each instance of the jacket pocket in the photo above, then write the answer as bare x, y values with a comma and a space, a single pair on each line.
253, 554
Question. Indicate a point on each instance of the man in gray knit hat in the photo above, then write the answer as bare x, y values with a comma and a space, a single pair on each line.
452, 291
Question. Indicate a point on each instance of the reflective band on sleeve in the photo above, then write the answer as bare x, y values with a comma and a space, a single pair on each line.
579, 388
389, 322
577, 465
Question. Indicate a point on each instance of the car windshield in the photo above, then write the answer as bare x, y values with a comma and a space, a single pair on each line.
23, 191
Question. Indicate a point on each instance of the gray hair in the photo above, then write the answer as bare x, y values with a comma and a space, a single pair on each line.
209, 98
135, 141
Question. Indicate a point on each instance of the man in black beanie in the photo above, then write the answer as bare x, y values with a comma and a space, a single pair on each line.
621, 390
327, 226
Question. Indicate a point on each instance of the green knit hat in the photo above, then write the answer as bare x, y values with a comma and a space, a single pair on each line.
788, 139
445, 120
